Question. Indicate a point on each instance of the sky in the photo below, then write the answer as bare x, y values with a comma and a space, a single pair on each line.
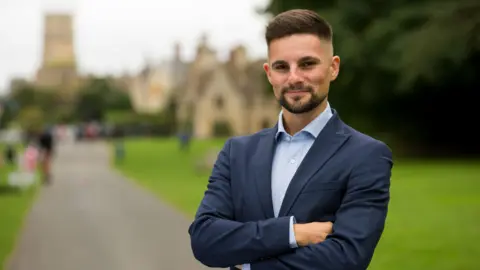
117, 36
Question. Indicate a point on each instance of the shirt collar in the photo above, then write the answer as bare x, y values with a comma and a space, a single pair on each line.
313, 128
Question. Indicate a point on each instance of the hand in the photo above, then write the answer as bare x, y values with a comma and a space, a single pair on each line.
312, 233
239, 266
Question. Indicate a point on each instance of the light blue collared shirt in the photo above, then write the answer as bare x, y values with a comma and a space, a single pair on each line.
289, 154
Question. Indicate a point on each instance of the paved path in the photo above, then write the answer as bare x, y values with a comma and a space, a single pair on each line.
92, 218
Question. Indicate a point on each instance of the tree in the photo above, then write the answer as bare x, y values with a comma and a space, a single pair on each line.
24, 96
31, 119
97, 96
27, 95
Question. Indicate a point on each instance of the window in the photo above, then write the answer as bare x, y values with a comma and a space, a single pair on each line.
266, 124
219, 102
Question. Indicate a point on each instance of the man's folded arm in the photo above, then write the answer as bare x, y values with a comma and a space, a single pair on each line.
219, 241
358, 226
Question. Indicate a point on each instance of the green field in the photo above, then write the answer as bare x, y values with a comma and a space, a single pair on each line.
13, 206
434, 217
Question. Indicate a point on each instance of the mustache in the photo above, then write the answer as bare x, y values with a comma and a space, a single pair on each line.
298, 87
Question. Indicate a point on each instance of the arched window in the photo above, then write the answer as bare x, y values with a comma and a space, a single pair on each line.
219, 103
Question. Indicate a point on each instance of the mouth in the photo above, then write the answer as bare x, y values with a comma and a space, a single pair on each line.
297, 92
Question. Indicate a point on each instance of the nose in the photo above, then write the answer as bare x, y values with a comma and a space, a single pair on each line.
294, 77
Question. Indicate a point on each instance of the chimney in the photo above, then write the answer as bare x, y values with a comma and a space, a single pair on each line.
238, 57
178, 52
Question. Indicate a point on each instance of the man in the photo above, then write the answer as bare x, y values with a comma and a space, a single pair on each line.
272, 195
45, 143
10, 154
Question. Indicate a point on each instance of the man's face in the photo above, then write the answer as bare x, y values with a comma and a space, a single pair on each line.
300, 68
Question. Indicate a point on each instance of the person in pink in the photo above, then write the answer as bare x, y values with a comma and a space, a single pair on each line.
31, 156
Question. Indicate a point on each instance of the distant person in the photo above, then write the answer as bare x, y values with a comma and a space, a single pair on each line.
119, 151
309, 193
10, 155
46, 146
30, 158
24, 176
184, 138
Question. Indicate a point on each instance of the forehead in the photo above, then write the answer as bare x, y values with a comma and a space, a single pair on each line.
295, 47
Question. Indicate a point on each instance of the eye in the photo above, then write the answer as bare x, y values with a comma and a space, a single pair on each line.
307, 64
281, 67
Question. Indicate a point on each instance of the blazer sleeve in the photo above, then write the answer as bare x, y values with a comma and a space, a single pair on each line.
217, 240
358, 226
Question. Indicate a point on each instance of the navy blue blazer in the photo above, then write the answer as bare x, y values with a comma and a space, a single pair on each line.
344, 178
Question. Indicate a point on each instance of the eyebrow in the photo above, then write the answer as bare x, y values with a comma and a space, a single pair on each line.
303, 59
309, 58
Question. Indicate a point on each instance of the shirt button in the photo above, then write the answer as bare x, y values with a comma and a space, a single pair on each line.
292, 161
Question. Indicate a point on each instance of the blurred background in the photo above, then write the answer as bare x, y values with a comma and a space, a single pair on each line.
163, 84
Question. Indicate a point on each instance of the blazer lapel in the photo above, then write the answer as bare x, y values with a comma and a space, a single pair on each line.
330, 139
262, 165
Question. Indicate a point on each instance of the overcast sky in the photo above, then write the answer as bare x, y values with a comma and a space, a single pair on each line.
112, 36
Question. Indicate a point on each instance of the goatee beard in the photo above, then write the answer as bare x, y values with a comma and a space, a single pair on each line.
299, 108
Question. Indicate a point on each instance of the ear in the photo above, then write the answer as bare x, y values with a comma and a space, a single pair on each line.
335, 68
268, 71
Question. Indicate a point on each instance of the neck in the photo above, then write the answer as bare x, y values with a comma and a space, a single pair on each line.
293, 123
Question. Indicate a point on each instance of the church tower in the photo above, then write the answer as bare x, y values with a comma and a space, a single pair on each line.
58, 70
58, 48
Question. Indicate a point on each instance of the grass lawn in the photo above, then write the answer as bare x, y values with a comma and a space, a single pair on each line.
434, 218
13, 206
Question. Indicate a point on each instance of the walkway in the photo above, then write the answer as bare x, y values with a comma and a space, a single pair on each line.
92, 218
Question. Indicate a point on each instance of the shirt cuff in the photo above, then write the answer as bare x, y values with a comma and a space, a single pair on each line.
292, 239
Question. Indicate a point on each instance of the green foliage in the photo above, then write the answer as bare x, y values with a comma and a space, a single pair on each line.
32, 118
30, 107
222, 129
120, 117
97, 96
130, 117
29, 95
8, 113
24, 96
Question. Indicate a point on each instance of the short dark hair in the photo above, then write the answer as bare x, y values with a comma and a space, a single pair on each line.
298, 21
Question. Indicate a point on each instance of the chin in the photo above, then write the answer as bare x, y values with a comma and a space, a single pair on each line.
299, 101
298, 110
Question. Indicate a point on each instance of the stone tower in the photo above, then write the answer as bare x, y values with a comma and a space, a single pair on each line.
58, 70
58, 46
